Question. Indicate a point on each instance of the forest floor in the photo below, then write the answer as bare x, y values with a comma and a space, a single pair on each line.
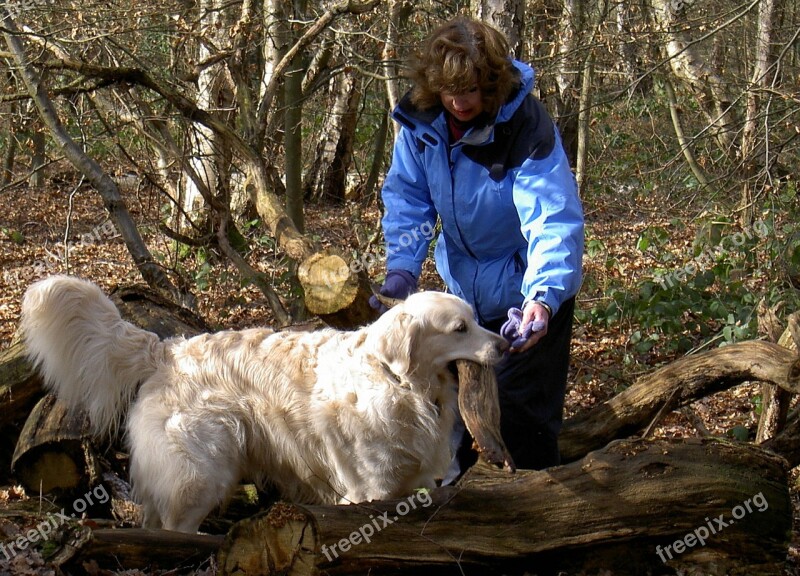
35, 222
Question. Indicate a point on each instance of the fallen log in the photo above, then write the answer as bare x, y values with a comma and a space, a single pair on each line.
148, 310
148, 549
20, 385
635, 507
54, 453
677, 384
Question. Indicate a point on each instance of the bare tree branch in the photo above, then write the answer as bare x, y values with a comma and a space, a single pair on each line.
152, 273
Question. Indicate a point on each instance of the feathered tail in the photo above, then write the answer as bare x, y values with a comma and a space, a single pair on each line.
87, 354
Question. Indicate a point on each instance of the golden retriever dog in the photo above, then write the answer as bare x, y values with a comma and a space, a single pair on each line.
325, 417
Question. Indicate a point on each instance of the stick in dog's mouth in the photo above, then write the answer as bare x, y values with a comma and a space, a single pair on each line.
480, 408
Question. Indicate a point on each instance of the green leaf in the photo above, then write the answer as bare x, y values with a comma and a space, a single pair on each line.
739, 433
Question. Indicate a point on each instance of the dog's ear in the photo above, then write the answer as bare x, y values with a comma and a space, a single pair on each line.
396, 345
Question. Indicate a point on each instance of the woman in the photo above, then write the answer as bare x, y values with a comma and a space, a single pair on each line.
477, 151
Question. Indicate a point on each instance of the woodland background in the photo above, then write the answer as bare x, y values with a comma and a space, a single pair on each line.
207, 147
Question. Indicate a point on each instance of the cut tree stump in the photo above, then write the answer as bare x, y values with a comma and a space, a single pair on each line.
54, 453
335, 292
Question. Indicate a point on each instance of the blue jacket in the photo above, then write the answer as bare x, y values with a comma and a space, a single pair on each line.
512, 223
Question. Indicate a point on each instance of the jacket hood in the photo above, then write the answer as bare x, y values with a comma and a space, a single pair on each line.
527, 77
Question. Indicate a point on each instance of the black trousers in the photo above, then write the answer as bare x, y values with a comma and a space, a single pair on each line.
531, 387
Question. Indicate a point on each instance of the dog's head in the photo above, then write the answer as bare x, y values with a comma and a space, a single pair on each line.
431, 329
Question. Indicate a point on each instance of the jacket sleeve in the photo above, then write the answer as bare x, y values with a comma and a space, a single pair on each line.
409, 215
546, 197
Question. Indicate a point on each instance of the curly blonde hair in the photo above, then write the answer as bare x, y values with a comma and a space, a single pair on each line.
455, 56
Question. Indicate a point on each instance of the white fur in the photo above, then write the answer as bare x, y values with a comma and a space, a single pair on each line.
325, 416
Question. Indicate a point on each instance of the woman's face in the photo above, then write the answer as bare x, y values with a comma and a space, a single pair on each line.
464, 107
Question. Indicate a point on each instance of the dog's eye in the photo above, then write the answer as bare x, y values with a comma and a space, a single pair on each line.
461, 327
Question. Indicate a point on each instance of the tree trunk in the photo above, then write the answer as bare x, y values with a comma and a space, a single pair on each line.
566, 105
584, 120
685, 143
751, 150
376, 165
200, 182
8, 159
508, 16
399, 11
10, 134
622, 509
708, 507
334, 153
626, 46
710, 89
38, 156
20, 385
147, 549
150, 311
293, 125
774, 399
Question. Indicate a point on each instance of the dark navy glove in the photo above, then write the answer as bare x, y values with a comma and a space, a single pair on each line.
398, 284
510, 329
